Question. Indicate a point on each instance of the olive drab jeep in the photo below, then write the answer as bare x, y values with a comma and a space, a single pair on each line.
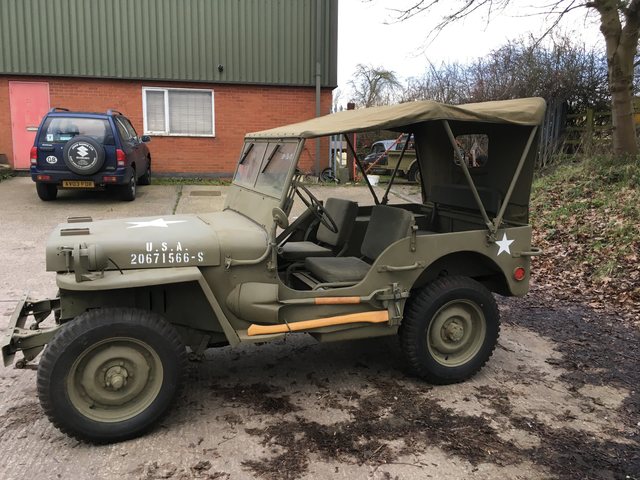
138, 296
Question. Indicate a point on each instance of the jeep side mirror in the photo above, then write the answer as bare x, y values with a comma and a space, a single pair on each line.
280, 218
145, 138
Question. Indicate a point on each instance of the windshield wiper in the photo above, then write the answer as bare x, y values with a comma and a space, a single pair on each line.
270, 158
246, 154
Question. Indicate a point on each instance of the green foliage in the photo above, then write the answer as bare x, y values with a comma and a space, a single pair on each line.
190, 181
5, 173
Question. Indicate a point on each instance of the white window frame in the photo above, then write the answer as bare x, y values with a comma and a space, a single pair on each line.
166, 91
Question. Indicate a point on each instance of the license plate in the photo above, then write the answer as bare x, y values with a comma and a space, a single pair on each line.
77, 184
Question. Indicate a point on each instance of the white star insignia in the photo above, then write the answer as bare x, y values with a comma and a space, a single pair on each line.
158, 222
504, 244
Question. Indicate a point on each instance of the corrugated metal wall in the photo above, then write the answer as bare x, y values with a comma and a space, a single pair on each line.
257, 41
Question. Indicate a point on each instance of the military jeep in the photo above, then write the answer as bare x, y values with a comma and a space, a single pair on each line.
138, 296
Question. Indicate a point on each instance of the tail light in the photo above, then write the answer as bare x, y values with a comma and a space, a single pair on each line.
34, 155
121, 157
519, 274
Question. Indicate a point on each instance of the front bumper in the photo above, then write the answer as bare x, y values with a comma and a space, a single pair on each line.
31, 340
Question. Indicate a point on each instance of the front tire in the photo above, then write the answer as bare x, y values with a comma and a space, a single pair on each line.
111, 374
146, 178
47, 191
450, 329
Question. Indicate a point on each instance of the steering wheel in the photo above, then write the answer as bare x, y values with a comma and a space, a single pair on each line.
313, 204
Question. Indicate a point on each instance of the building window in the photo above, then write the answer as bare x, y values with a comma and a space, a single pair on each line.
178, 111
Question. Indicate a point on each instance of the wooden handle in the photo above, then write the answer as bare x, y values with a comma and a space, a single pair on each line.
376, 316
336, 300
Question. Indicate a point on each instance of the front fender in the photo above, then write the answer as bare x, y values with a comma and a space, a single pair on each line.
113, 280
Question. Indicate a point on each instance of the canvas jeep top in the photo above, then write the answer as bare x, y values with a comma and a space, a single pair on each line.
136, 295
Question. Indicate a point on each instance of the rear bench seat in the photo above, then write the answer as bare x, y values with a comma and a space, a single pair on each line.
460, 196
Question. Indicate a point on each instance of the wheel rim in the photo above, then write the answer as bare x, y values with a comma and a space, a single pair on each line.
132, 185
115, 380
456, 333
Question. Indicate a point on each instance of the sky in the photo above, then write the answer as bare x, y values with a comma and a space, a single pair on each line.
369, 34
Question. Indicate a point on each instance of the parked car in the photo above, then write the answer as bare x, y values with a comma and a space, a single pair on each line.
134, 293
377, 153
82, 150
381, 163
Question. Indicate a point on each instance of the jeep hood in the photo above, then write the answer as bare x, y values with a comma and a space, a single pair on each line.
151, 242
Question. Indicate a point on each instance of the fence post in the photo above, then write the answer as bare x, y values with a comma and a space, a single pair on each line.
588, 140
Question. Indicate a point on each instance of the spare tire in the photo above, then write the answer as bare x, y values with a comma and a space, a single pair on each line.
83, 155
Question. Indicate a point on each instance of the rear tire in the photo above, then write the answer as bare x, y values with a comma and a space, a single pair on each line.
127, 192
111, 374
414, 173
449, 330
47, 191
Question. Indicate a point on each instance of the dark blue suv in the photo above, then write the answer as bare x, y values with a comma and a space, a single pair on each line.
83, 150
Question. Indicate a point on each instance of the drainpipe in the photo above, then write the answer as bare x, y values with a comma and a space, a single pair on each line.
318, 75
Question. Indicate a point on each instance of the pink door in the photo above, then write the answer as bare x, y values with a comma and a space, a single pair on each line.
29, 101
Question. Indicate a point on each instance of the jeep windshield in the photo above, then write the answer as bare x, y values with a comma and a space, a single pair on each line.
265, 166
63, 129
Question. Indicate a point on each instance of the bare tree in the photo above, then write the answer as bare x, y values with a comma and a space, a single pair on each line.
373, 86
620, 27
446, 83
557, 69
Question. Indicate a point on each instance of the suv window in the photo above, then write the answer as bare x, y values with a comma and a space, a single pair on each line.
124, 133
128, 127
63, 129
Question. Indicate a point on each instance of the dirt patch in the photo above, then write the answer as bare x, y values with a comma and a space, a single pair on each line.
20, 416
157, 471
396, 414
597, 349
259, 396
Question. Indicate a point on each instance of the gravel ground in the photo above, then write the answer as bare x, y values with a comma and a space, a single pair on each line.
559, 398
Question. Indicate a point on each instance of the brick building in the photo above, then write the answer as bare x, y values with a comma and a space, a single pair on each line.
196, 75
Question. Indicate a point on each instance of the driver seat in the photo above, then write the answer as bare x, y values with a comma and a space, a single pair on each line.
387, 225
343, 213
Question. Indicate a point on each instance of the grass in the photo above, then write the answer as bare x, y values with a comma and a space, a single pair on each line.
586, 216
5, 173
191, 181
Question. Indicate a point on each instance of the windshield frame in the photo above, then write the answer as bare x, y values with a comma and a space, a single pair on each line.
267, 156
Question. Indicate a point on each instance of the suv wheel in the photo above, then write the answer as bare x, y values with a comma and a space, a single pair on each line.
47, 191
450, 329
146, 178
110, 374
127, 192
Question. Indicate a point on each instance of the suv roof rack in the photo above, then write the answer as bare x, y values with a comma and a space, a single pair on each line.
111, 112
58, 109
